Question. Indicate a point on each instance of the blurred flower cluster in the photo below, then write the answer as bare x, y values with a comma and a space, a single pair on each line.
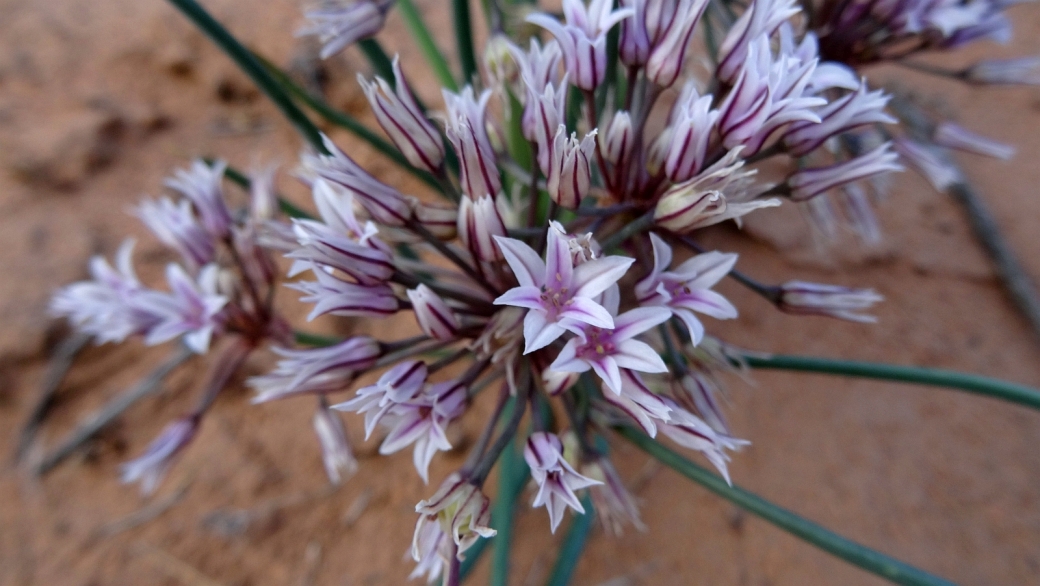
560, 267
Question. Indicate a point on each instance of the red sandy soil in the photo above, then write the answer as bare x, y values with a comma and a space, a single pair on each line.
100, 100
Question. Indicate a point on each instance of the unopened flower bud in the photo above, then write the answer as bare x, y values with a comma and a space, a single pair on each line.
478, 222
1019, 71
693, 126
441, 221
668, 56
465, 128
335, 448
831, 300
461, 510
583, 39
808, 183
436, 319
402, 120
927, 161
263, 201
618, 139
384, 203
151, 467
569, 170
613, 503
498, 59
955, 136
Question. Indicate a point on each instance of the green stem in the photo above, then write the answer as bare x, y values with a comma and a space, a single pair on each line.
510, 491
510, 467
630, 229
850, 551
413, 20
979, 385
249, 65
572, 546
464, 39
379, 60
316, 340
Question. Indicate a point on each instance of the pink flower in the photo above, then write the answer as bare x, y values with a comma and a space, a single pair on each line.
686, 289
401, 383
556, 478
422, 421
609, 350
557, 295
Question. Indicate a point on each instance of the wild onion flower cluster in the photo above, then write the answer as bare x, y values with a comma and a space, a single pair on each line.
561, 268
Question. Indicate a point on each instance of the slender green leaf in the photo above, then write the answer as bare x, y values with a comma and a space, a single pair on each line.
464, 40
249, 65
511, 468
518, 146
316, 340
413, 20
510, 492
379, 60
825, 539
971, 383
573, 545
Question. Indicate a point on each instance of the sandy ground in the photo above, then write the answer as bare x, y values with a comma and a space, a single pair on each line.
100, 100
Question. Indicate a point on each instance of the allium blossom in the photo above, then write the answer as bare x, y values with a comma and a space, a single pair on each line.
557, 294
422, 421
461, 510
608, 351
686, 289
556, 478
400, 384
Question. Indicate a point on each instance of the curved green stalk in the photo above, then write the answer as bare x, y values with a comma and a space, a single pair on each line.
573, 545
979, 385
249, 65
413, 20
464, 39
825, 539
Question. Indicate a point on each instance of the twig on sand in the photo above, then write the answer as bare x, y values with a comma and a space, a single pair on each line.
98, 420
1014, 277
57, 368
235, 522
176, 568
311, 563
138, 517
